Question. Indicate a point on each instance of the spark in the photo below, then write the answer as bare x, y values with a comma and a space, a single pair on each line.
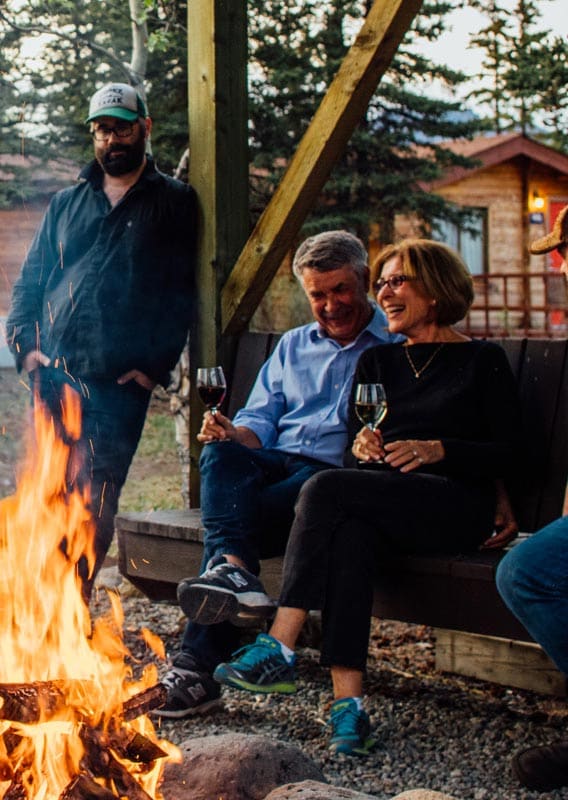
102, 503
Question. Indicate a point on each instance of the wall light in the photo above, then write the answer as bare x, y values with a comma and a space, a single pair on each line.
536, 202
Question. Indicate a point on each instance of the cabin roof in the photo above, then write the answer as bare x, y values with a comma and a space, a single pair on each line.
496, 149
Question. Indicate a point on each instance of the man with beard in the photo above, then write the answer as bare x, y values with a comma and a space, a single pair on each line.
103, 301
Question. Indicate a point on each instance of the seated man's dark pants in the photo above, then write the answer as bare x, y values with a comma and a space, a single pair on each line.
112, 421
347, 520
247, 508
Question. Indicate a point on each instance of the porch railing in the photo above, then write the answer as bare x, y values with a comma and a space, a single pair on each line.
507, 304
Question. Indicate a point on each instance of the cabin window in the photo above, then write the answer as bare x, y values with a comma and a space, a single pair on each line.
469, 239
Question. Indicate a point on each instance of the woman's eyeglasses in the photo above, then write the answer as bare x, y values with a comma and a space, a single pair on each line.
393, 283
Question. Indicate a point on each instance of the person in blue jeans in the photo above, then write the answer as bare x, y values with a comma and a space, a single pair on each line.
105, 298
294, 424
533, 581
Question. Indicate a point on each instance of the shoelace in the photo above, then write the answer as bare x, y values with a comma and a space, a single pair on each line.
174, 675
247, 657
345, 721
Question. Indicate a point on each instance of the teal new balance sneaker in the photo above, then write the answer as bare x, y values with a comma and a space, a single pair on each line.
350, 729
260, 668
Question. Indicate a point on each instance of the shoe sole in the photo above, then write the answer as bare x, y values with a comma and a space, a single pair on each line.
348, 749
269, 688
206, 606
188, 712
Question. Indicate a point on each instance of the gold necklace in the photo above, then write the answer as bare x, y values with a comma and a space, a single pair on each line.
418, 372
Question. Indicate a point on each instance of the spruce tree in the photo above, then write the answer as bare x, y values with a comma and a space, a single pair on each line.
398, 146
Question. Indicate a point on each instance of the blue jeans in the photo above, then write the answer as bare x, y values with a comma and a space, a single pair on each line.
533, 581
247, 508
112, 419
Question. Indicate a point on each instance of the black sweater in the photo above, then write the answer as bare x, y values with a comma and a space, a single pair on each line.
466, 397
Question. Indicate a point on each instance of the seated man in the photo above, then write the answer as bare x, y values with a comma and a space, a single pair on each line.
293, 425
533, 581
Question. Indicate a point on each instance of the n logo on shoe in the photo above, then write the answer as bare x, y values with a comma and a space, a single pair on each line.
237, 579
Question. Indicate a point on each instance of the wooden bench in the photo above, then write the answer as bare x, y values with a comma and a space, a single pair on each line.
158, 549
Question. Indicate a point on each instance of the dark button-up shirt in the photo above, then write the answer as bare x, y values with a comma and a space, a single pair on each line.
109, 289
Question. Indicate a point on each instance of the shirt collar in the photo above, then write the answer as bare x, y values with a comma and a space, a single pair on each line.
377, 327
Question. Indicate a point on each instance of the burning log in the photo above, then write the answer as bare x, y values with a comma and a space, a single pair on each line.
16, 790
30, 702
24, 702
143, 702
83, 787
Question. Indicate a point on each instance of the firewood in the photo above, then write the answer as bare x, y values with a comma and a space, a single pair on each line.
23, 702
29, 702
135, 747
15, 790
146, 701
83, 787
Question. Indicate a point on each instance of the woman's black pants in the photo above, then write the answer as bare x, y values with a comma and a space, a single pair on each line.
348, 519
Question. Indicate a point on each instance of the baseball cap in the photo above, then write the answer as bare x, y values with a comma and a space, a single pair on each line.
117, 100
557, 236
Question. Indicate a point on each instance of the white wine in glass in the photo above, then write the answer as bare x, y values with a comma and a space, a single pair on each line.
211, 387
370, 404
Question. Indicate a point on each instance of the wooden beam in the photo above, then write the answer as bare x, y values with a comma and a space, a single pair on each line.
339, 113
218, 170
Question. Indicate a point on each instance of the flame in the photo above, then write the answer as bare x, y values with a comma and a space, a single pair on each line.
46, 633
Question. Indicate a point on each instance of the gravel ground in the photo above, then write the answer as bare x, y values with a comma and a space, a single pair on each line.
434, 731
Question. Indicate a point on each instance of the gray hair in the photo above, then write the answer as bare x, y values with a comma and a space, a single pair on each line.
328, 251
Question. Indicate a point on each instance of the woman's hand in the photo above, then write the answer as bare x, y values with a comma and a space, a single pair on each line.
368, 445
216, 427
412, 454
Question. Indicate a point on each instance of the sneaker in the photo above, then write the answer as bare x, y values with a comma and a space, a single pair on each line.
350, 729
190, 691
260, 668
542, 768
225, 592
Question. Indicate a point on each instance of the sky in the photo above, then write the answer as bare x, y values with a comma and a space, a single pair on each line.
453, 47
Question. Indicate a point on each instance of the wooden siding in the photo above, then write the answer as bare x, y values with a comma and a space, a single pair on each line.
17, 228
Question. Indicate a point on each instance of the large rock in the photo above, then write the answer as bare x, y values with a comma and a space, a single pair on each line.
235, 766
312, 790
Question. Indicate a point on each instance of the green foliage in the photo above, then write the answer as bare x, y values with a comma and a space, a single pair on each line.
527, 67
296, 50
86, 43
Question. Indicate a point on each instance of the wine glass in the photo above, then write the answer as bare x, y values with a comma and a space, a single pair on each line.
370, 406
211, 387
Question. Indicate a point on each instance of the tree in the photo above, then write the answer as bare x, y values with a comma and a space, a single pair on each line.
89, 42
527, 68
296, 49
492, 39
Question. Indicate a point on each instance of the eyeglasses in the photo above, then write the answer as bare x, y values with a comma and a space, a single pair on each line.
393, 283
122, 130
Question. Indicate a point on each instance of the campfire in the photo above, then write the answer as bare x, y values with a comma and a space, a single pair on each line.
73, 719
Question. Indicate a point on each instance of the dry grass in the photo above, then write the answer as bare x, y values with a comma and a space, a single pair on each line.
154, 480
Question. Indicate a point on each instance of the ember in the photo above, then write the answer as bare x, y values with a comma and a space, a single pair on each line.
73, 719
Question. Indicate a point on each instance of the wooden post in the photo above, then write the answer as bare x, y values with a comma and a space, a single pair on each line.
339, 113
218, 169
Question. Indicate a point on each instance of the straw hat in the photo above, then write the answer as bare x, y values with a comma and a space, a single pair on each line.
557, 236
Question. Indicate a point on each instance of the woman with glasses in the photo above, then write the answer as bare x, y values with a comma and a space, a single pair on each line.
425, 482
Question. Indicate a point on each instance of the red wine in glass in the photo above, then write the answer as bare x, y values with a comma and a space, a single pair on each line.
211, 387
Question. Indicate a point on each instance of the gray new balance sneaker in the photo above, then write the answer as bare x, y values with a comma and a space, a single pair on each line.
190, 691
225, 592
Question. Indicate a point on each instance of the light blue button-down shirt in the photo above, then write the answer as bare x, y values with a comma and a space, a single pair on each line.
299, 402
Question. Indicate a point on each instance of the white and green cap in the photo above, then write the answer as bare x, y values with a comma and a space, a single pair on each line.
117, 100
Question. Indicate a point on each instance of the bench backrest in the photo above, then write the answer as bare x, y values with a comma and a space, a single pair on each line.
541, 369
